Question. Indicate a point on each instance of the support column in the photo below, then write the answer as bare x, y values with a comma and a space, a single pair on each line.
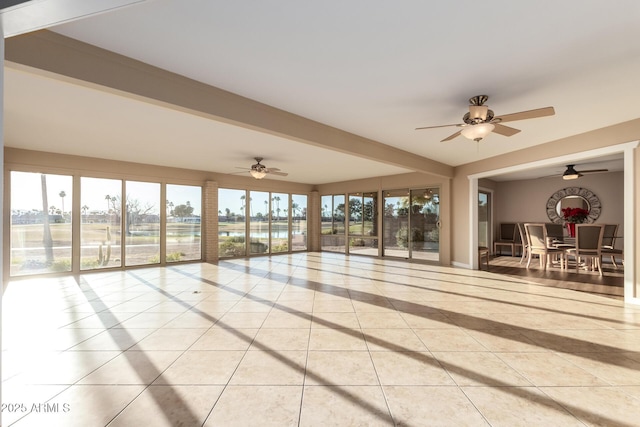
314, 223
210, 223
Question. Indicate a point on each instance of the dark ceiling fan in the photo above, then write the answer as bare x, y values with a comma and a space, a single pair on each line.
572, 173
480, 121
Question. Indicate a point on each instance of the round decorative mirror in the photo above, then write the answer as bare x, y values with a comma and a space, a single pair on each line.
573, 197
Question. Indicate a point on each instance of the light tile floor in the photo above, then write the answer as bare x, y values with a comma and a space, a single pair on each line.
315, 339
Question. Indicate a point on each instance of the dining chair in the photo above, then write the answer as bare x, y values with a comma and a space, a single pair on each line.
483, 254
588, 245
555, 235
555, 232
609, 243
525, 242
537, 238
506, 237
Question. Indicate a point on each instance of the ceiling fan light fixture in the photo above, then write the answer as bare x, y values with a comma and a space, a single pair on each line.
477, 132
478, 112
570, 173
257, 174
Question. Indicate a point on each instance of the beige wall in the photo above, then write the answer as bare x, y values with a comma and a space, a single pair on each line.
633, 234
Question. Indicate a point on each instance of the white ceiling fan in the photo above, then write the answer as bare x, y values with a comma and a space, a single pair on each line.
480, 121
259, 171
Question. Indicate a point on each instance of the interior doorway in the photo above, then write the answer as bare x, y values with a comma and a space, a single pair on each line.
631, 288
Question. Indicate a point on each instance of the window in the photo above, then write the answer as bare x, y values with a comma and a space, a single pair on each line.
279, 222
276, 222
183, 223
333, 222
298, 222
355, 215
231, 222
363, 223
43, 211
142, 223
100, 223
411, 223
41, 206
484, 218
395, 223
259, 222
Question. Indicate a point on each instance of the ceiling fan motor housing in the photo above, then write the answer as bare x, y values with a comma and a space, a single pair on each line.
258, 166
478, 114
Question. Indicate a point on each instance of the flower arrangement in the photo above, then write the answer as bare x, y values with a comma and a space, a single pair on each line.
575, 215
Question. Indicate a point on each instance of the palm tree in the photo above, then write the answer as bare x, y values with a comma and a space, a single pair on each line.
62, 195
84, 209
277, 200
108, 199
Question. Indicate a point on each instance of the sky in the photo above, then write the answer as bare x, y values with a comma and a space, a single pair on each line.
26, 192
228, 198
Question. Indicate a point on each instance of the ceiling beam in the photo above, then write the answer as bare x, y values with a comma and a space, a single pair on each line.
64, 58
21, 17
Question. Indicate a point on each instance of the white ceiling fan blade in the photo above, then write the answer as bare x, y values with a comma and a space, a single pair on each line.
504, 130
271, 172
524, 115
450, 137
441, 126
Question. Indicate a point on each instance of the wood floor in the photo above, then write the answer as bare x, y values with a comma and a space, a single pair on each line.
611, 284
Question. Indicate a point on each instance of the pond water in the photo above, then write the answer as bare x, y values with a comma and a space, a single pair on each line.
259, 235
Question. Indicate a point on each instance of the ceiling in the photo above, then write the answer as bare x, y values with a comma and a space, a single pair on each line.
376, 69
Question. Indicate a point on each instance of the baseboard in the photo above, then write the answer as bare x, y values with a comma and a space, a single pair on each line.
461, 265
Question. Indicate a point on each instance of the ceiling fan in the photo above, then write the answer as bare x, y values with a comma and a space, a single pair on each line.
571, 173
259, 171
480, 120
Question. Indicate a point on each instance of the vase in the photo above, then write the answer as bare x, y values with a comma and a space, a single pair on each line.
571, 226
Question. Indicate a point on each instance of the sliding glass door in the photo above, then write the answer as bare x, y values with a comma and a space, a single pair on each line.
425, 224
395, 223
411, 224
